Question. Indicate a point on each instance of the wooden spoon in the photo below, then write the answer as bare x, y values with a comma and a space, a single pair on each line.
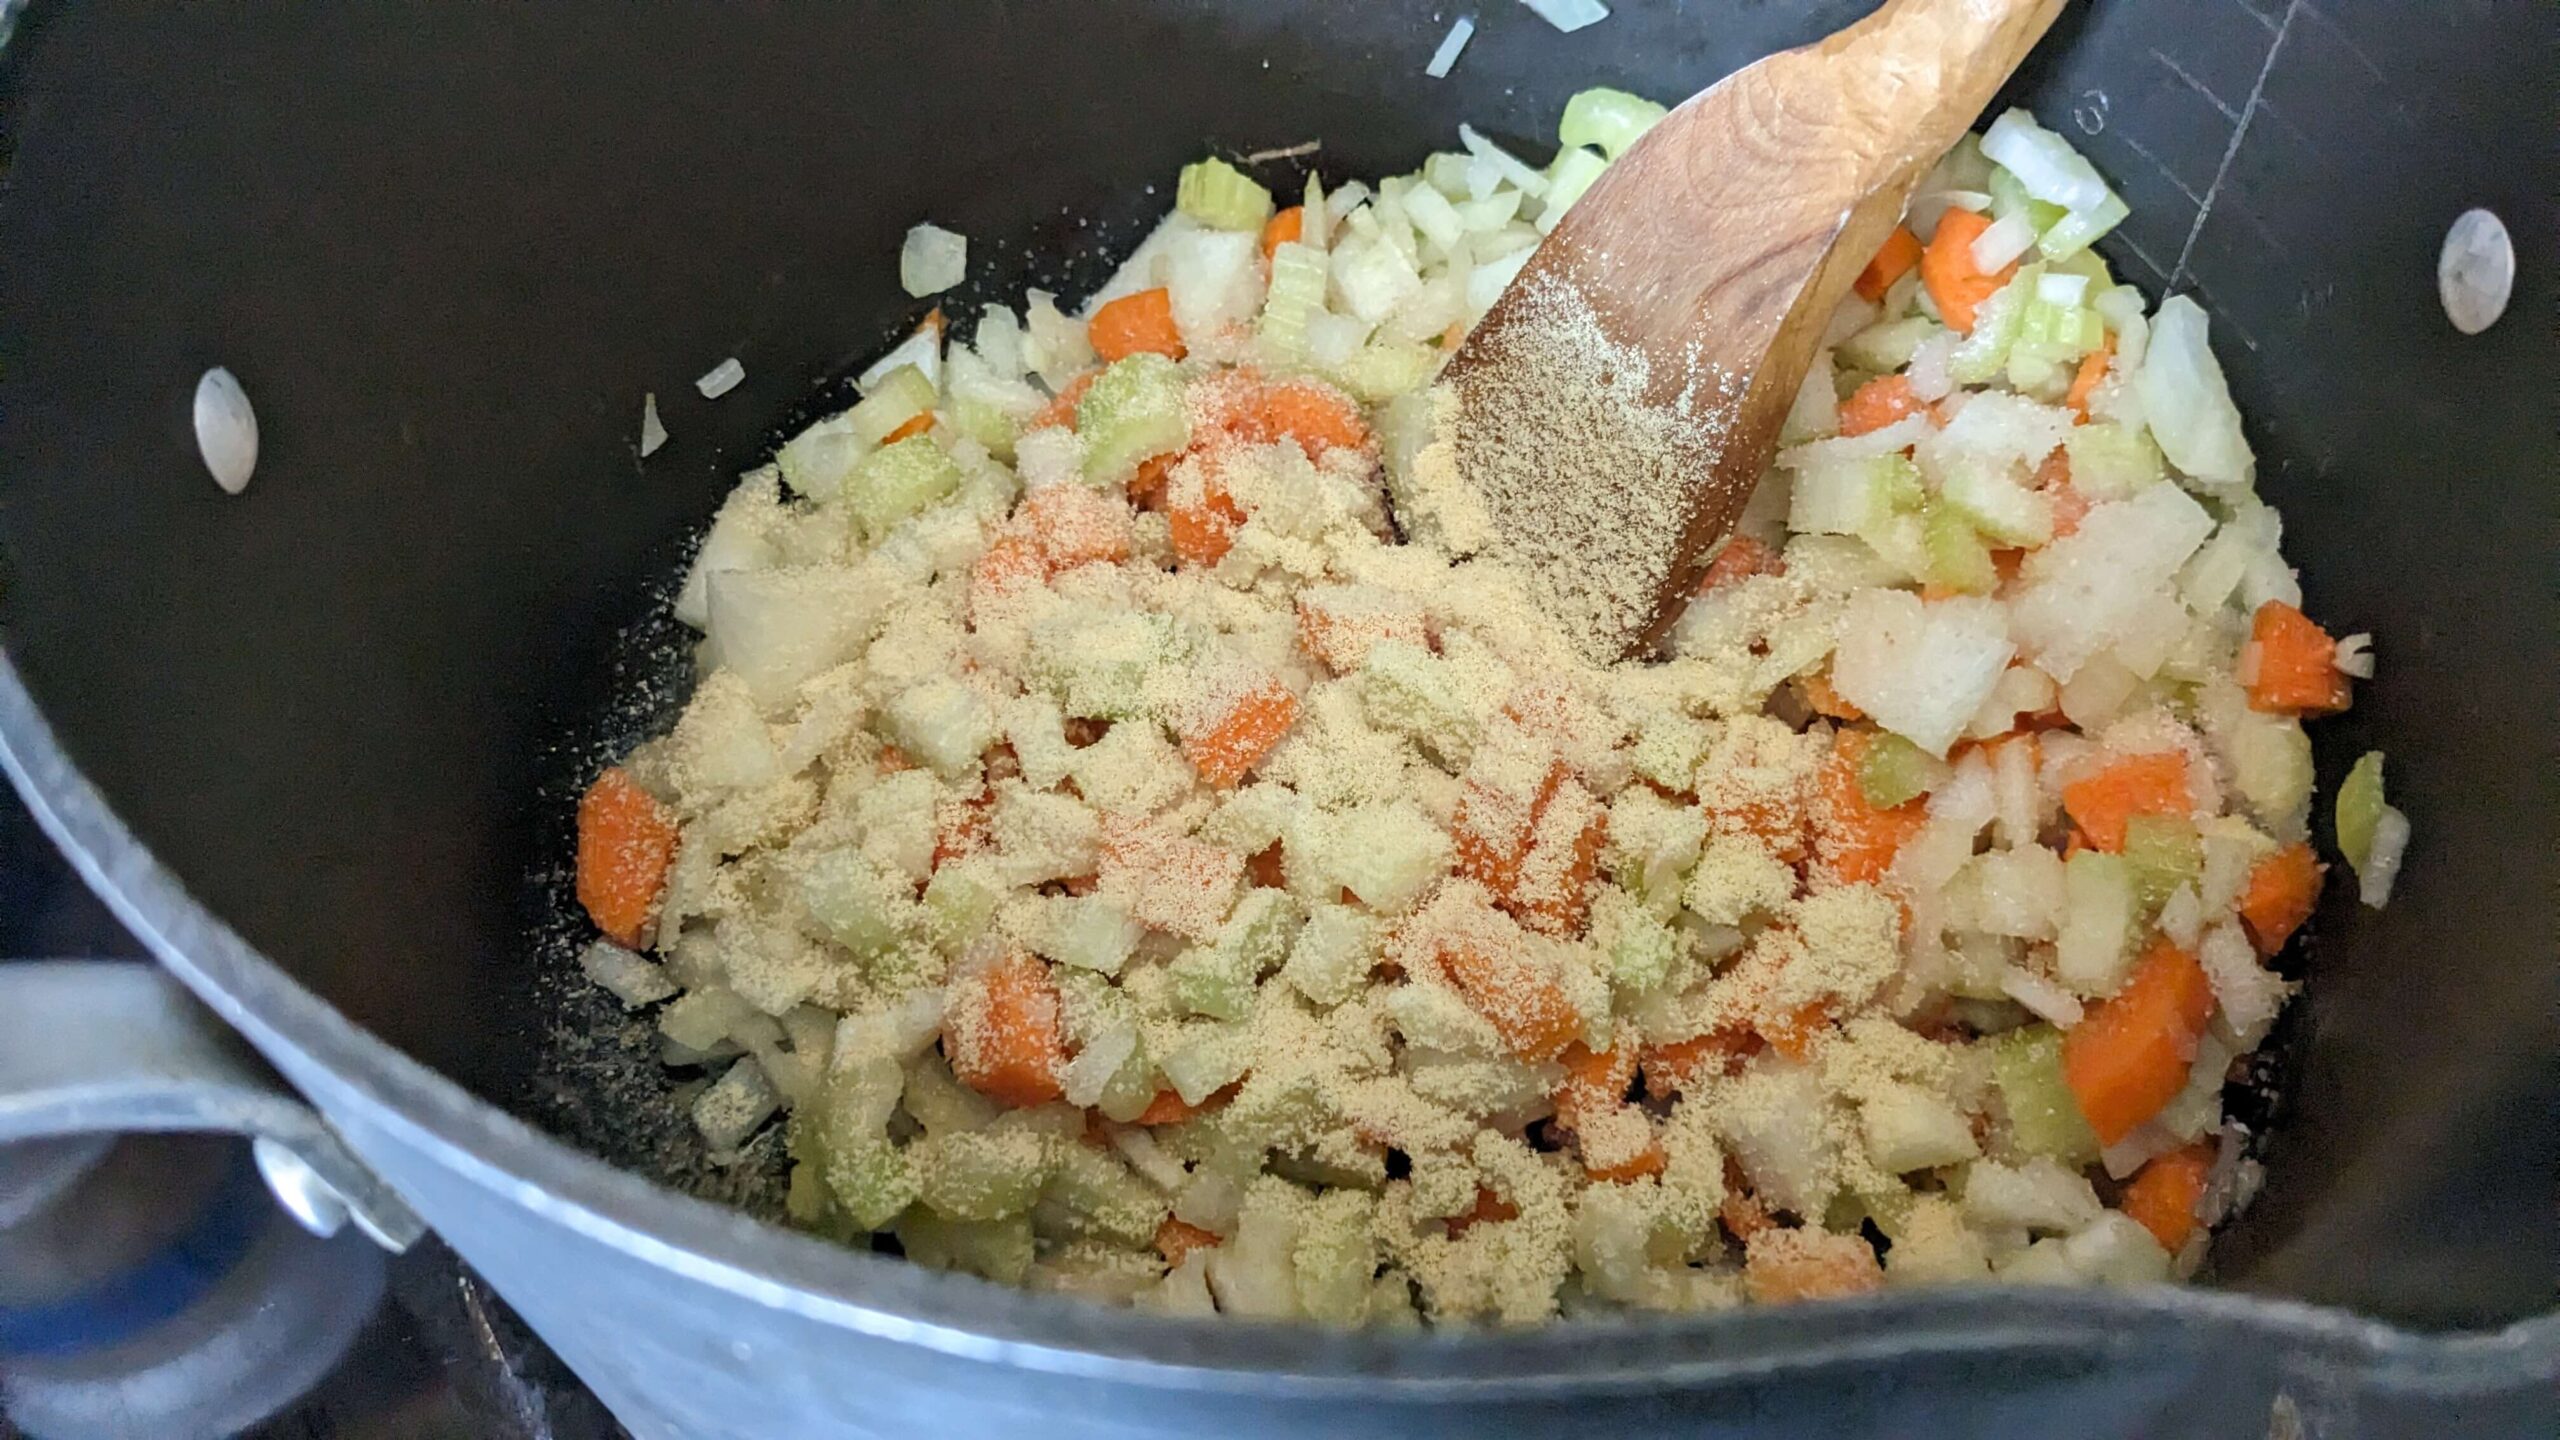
1622, 398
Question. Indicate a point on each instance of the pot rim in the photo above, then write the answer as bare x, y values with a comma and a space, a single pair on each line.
888, 1299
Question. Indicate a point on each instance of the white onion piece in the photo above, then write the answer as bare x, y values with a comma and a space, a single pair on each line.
2382, 861
226, 430
1444, 59
932, 260
2006, 240
2049, 1001
1504, 163
632, 979
721, 379
653, 432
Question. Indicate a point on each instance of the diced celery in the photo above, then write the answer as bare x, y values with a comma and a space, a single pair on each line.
1099, 1190
1407, 689
2026, 1067
1894, 771
1668, 750
1219, 195
1299, 274
2068, 330
2110, 461
2091, 952
860, 908
902, 395
1996, 323
943, 722
1260, 930
1997, 505
871, 1180
1097, 664
1957, 558
1387, 855
1207, 1061
1333, 954
958, 901
1642, 952
1133, 410
1570, 175
1908, 1128
1132, 1087
1091, 932
2039, 371
897, 481
999, 1250
2164, 853
1882, 349
1850, 497
2008, 197
985, 422
1608, 120
2089, 266
1384, 369
2077, 230
1209, 981
1217, 979
2359, 808
982, 1174
939, 1102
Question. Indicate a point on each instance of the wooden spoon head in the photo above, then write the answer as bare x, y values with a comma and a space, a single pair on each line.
1620, 401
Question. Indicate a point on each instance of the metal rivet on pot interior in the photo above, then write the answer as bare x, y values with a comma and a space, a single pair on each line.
226, 429
2477, 271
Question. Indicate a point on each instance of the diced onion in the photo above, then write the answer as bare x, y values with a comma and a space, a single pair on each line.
1444, 59
2006, 240
1568, 15
2045, 164
653, 433
2355, 656
631, 979
2381, 867
1504, 163
932, 260
721, 379
2187, 400
2049, 1002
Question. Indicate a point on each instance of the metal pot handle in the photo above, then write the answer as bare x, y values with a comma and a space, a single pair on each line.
89, 1046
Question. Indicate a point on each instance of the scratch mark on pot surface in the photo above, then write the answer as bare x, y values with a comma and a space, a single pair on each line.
2198, 86
2239, 133
2138, 148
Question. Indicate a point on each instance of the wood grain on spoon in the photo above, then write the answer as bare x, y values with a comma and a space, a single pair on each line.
1617, 405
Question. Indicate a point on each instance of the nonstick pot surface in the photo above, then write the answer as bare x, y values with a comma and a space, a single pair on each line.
448, 249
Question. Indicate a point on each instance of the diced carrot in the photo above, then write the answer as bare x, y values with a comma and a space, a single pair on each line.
961, 827
2070, 507
2084, 382
1492, 832
1316, 415
2281, 892
1225, 746
2006, 563
1061, 409
2162, 1196
1204, 531
1651, 1160
1338, 624
1283, 228
1175, 1240
1526, 1005
1077, 525
1741, 558
1001, 1032
1552, 891
892, 760
2297, 664
1135, 324
2152, 784
1148, 486
1878, 403
1490, 1209
1957, 284
1792, 1034
1825, 698
1169, 880
1012, 565
916, 425
2129, 1054
1852, 839
1682, 1064
1741, 1211
1809, 1264
1169, 1108
1594, 1082
626, 841
1894, 259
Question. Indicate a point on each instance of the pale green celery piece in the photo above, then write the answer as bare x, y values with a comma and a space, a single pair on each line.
1570, 175
1895, 772
2067, 330
939, 1102
958, 902
902, 395
984, 422
1099, 1189
2086, 263
1220, 196
1884, 348
2110, 461
2040, 372
981, 1174
807, 1201
1996, 323
872, 1181
1298, 279
1609, 120
2008, 198
1668, 752
1642, 953
897, 481
998, 1250
2164, 853
2075, 232
1209, 980
2359, 808
1132, 411
1889, 1208
1997, 505
1384, 369
859, 908
2026, 1068
1131, 1089
1206, 1061
1957, 557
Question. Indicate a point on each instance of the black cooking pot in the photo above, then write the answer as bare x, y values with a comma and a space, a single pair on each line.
312, 741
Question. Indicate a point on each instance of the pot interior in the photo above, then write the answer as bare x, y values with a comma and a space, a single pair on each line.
448, 250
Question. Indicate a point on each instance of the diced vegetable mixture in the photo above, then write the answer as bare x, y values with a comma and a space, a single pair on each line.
1143, 845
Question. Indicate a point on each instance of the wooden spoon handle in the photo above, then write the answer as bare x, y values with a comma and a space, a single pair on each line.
1930, 68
